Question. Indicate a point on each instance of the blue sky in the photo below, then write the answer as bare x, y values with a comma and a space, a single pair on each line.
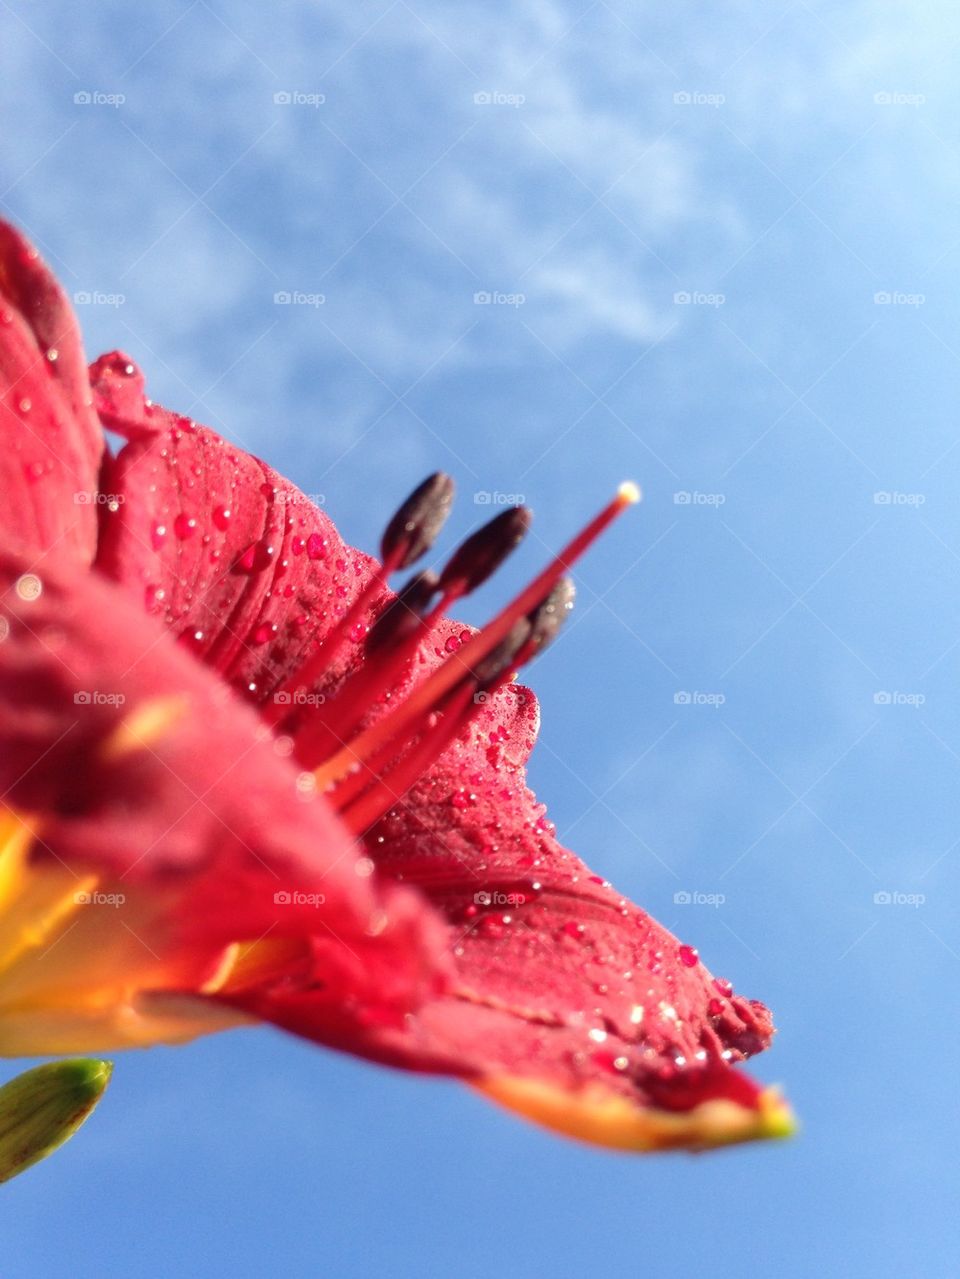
791, 169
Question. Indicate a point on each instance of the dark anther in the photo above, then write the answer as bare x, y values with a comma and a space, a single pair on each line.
546, 620
403, 615
503, 658
484, 551
414, 527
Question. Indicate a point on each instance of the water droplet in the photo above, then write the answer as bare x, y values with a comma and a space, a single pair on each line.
221, 517
723, 987
255, 558
184, 526
158, 535
688, 956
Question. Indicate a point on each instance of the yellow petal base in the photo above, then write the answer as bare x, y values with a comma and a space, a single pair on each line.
88, 965
602, 1118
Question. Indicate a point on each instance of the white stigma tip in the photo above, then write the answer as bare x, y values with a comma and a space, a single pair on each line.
629, 492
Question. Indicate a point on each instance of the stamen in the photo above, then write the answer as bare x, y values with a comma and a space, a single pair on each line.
483, 552
546, 621
504, 658
379, 791
402, 617
389, 789
361, 803
417, 522
469, 566
409, 534
428, 696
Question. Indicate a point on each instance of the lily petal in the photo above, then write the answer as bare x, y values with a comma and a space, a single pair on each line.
231, 556
51, 439
569, 1003
154, 831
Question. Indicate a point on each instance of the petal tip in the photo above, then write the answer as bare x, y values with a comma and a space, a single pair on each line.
602, 1118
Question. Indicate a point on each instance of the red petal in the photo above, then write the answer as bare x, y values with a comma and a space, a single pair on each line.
560, 981
139, 764
230, 555
51, 439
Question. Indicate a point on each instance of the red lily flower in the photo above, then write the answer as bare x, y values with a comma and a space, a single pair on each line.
243, 780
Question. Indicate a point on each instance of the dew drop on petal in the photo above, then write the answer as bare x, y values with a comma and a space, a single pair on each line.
184, 526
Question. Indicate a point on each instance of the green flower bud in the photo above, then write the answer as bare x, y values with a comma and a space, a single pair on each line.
43, 1107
